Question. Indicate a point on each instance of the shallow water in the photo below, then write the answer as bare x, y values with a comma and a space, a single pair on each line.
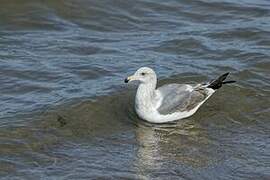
66, 114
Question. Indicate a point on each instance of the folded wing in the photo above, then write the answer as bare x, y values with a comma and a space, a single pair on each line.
181, 97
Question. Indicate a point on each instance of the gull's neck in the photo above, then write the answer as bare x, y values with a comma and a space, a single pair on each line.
145, 96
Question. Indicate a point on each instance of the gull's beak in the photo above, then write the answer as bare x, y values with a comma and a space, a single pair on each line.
130, 78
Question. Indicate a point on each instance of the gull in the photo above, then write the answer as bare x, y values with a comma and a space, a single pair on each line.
170, 102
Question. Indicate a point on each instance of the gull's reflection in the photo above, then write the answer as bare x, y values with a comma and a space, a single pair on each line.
159, 145
149, 146
149, 157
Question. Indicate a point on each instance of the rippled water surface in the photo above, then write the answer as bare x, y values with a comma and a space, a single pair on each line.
66, 114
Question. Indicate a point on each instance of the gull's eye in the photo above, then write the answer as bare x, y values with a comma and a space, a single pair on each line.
142, 73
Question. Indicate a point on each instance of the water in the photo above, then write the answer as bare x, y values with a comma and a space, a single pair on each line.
66, 114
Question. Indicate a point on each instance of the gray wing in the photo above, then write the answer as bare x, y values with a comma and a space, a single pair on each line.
176, 97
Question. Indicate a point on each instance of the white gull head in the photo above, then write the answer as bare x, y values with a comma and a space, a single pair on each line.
144, 75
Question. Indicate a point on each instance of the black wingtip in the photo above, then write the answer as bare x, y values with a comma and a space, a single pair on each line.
217, 83
223, 76
228, 82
